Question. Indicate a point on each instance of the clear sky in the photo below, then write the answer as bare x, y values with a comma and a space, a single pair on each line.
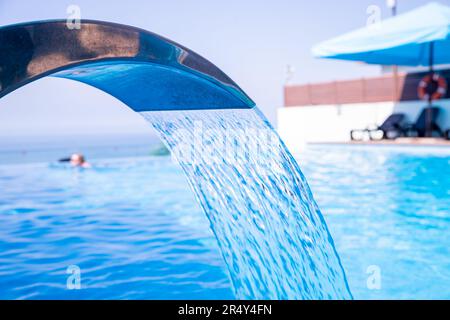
251, 41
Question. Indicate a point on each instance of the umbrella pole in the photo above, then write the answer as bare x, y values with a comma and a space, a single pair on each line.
428, 131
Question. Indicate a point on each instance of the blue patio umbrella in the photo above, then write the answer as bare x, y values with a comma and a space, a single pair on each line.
420, 37
414, 38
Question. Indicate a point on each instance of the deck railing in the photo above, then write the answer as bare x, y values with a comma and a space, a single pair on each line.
377, 89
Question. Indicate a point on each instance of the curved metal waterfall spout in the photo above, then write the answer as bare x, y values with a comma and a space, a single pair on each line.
145, 71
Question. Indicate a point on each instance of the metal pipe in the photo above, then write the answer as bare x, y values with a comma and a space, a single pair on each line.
145, 71
429, 115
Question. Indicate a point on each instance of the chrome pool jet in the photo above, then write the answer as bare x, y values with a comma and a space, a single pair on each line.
145, 71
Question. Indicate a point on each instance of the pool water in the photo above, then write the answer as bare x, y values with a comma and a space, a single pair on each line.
135, 230
388, 210
131, 225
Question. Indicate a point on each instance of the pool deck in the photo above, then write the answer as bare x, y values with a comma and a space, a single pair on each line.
399, 142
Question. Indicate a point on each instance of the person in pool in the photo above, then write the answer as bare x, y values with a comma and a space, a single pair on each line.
78, 160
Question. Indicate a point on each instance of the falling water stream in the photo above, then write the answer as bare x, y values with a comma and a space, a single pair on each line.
271, 233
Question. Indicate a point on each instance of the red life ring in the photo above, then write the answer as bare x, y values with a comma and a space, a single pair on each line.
426, 82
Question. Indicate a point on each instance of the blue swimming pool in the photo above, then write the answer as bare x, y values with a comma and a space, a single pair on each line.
135, 230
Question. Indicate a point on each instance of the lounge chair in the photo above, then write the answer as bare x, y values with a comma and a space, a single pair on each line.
419, 128
447, 134
391, 128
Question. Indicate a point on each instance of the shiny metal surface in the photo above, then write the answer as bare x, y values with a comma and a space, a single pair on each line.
145, 71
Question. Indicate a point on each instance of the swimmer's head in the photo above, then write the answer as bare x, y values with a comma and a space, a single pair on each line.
77, 160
